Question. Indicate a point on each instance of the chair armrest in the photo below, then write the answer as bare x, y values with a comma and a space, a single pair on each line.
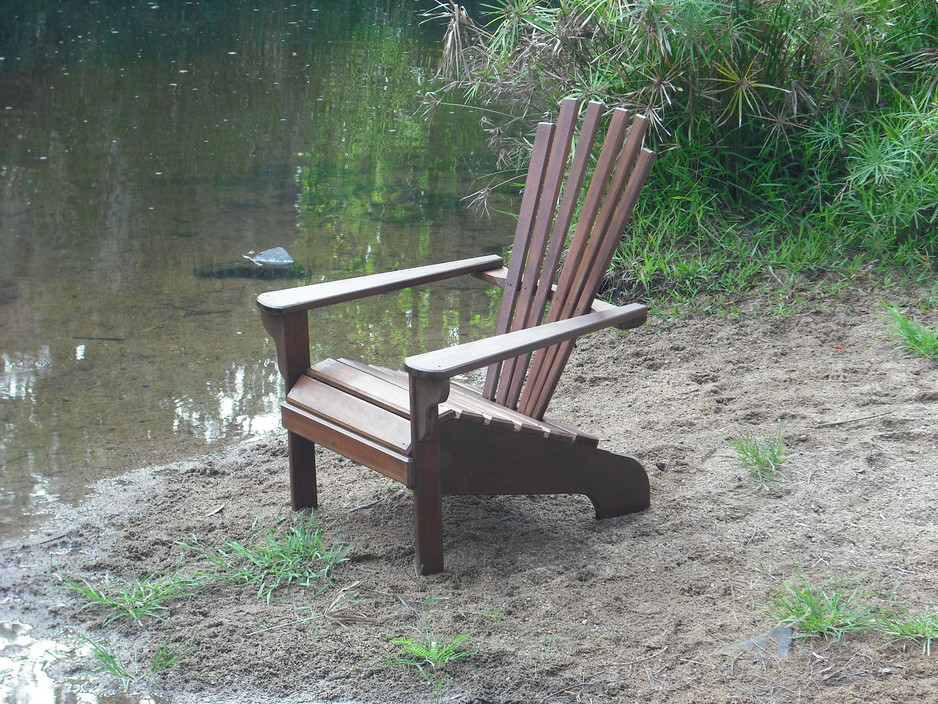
447, 362
301, 298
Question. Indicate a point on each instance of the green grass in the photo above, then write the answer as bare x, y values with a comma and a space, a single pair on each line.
111, 663
832, 609
900, 625
762, 457
429, 653
836, 608
795, 138
134, 599
295, 555
914, 339
167, 655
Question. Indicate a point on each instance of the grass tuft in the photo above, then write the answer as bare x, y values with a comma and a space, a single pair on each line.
110, 662
900, 625
134, 599
838, 607
914, 339
762, 457
832, 609
299, 555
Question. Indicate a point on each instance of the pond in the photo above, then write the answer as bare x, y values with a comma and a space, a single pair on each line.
146, 148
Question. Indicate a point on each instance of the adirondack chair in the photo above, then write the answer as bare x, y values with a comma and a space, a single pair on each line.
440, 437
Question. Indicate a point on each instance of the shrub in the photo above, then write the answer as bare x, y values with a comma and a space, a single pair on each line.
785, 115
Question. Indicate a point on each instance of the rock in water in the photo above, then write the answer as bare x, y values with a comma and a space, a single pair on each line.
276, 258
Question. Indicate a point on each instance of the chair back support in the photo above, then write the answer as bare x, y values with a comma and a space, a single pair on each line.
553, 191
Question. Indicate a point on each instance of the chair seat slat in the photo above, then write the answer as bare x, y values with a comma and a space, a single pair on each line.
351, 412
387, 389
346, 442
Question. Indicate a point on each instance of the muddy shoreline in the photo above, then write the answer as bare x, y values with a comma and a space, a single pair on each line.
661, 606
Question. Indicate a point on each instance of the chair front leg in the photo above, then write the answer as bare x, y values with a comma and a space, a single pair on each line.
302, 472
425, 397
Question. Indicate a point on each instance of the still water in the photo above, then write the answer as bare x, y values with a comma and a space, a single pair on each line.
145, 147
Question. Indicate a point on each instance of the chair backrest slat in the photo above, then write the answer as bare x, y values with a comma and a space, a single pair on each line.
545, 379
571, 196
542, 232
534, 261
591, 254
529, 202
564, 218
582, 254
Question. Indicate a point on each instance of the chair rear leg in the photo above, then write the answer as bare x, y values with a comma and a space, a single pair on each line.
302, 472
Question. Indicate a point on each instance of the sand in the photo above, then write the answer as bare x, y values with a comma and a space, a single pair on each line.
669, 605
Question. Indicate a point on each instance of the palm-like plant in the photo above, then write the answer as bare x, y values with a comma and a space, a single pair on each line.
778, 107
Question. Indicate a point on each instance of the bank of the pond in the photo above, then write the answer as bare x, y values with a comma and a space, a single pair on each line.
556, 606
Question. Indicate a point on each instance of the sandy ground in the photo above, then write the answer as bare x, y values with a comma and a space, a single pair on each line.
559, 607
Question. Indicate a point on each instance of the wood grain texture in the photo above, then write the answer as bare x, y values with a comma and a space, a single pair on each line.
529, 203
347, 443
485, 460
352, 412
324, 294
463, 358
425, 397
441, 437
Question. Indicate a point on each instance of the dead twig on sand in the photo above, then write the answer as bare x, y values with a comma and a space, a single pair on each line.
852, 420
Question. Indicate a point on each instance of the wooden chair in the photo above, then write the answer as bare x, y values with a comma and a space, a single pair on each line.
440, 437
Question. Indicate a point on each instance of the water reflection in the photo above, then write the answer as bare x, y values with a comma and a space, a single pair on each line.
230, 410
146, 148
20, 371
24, 661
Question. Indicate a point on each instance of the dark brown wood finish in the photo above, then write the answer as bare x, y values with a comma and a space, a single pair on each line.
450, 361
580, 290
532, 258
440, 437
529, 204
318, 295
425, 397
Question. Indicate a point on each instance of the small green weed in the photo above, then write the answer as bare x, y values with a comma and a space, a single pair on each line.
915, 339
136, 598
426, 652
298, 556
167, 655
838, 607
900, 625
762, 458
429, 653
831, 609
110, 662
